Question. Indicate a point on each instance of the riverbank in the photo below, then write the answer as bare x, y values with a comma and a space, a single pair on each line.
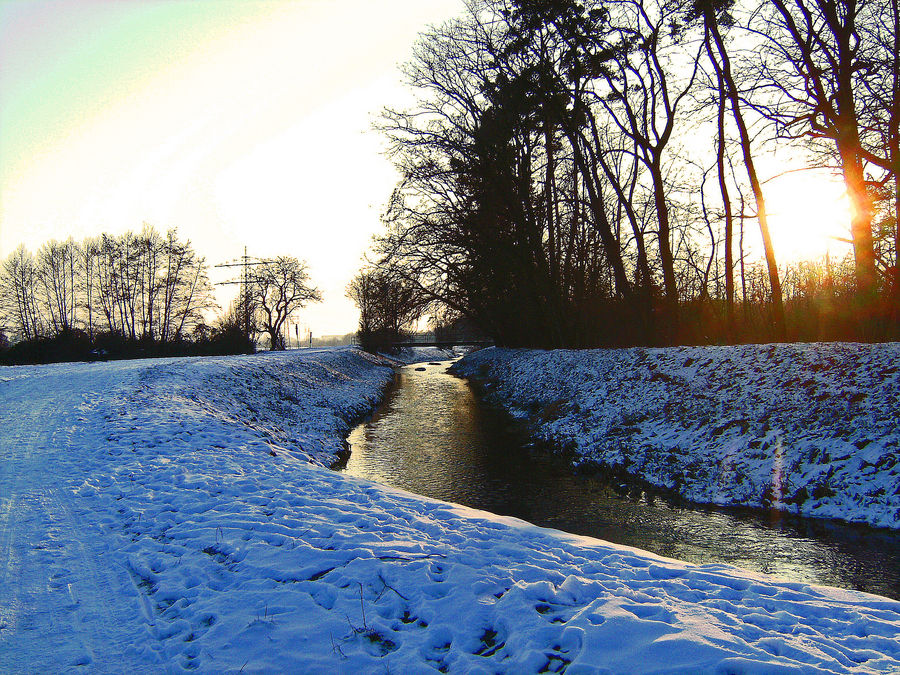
159, 516
409, 355
812, 429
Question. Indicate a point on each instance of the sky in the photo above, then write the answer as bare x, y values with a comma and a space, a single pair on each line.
240, 123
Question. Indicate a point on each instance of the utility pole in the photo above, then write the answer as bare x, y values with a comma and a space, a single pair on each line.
245, 296
244, 281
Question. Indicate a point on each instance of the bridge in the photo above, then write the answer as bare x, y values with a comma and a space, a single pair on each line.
446, 344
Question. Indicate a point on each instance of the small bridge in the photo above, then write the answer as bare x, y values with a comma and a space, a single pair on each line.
447, 344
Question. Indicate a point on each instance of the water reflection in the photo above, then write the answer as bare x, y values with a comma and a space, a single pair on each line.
434, 438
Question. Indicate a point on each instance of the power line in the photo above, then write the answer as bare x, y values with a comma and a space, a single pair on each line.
245, 262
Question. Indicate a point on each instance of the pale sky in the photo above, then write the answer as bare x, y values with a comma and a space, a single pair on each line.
241, 123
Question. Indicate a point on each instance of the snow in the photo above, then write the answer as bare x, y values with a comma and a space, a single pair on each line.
806, 428
177, 515
409, 355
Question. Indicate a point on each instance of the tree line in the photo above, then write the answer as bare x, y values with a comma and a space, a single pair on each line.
137, 294
586, 172
140, 285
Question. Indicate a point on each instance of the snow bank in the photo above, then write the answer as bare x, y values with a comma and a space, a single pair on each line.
301, 405
807, 428
174, 515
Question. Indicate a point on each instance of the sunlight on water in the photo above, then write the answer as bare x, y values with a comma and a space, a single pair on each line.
434, 438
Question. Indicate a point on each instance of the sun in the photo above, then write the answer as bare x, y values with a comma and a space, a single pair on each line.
809, 215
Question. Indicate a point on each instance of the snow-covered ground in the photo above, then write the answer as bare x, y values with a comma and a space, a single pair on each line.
807, 428
169, 515
409, 355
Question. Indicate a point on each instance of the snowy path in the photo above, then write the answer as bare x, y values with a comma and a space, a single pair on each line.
60, 590
173, 516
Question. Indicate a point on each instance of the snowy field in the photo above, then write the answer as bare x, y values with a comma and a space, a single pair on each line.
807, 428
176, 515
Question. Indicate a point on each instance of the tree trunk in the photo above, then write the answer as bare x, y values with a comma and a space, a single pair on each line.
665, 235
726, 199
894, 146
778, 322
850, 152
861, 221
610, 243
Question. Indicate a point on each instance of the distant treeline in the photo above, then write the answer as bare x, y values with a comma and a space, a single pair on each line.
582, 173
138, 294
333, 340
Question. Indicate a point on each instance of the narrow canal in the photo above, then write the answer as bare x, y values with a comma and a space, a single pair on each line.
433, 437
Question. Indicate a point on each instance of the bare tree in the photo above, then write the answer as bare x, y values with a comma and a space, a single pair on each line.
279, 287
18, 301
90, 255
494, 215
879, 112
56, 266
388, 305
642, 95
183, 291
720, 58
819, 63
552, 182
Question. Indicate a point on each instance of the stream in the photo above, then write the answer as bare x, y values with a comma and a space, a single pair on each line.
432, 436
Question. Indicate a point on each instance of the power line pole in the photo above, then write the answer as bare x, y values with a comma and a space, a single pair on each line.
244, 263
245, 295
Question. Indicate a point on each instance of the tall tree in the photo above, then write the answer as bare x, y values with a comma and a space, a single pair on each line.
720, 58
491, 214
721, 174
818, 64
18, 299
643, 99
90, 253
57, 270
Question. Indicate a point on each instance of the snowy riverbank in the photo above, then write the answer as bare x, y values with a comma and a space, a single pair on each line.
811, 429
410, 355
160, 516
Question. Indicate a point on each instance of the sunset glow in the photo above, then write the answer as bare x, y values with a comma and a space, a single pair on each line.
809, 215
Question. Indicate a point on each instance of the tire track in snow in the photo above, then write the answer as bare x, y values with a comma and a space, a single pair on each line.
58, 592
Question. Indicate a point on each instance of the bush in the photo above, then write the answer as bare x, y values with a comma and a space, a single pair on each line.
77, 346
